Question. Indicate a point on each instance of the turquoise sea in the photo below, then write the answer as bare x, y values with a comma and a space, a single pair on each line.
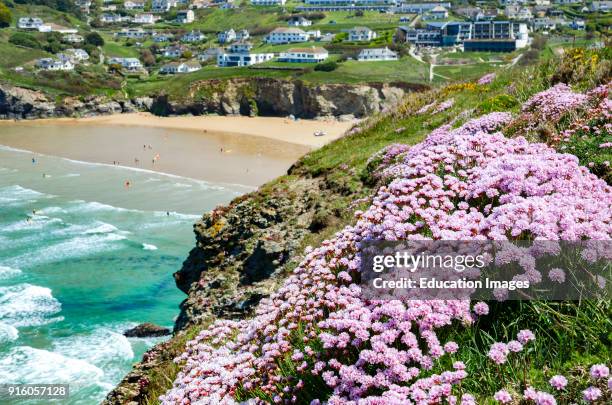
83, 258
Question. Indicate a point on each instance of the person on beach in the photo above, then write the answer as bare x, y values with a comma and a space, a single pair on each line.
33, 160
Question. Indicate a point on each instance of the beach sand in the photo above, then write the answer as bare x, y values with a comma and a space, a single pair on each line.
240, 150
299, 132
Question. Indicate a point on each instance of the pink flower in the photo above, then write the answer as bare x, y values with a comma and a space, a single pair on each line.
544, 398
556, 275
515, 346
558, 382
599, 371
503, 397
451, 347
524, 336
591, 394
481, 309
498, 353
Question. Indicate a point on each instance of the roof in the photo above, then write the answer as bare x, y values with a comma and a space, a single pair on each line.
361, 29
377, 51
438, 9
312, 49
288, 30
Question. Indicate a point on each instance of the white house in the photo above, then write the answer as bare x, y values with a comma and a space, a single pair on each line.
361, 34
185, 17
210, 53
110, 18
299, 22
524, 14
146, 18
601, 6
175, 51
134, 4
73, 38
162, 6
239, 54
373, 54
242, 35
180, 67
161, 38
301, 55
286, 36
438, 13
77, 55
54, 64
131, 64
29, 23
193, 36
51, 27
268, 2
226, 37
136, 33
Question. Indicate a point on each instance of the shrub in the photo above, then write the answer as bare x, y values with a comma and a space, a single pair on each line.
326, 66
25, 40
95, 39
6, 17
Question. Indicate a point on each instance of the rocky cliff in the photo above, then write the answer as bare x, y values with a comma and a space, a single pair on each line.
256, 96
273, 97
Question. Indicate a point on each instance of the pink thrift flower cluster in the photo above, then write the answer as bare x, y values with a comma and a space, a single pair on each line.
553, 103
468, 183
486, 79
443, 106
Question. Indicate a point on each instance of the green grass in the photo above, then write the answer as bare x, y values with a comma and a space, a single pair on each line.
406, 69
117, 49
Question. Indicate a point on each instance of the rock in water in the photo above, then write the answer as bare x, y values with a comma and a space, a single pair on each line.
147, 330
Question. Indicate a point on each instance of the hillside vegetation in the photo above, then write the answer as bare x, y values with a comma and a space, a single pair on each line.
314, 349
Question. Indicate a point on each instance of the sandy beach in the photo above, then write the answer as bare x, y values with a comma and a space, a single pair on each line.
300, 132
239, 150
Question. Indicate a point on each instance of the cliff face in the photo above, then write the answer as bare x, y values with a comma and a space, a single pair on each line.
255, 96
274, 97
19, 103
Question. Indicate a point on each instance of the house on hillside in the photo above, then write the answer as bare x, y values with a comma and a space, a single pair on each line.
175, 51
268, 2
239, 54
601, 6
51, 27
162, 6
210, 54
135, 33
110, 18
286, 36
77, 55
438, 13
376, 54
361, 34
185, 17
226, 37
73, 38
54, 64
158, 38
242, 35
304, 55
29, 23
299, 22
146, 18
134, 4
193, 36
130, 64
180, 67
